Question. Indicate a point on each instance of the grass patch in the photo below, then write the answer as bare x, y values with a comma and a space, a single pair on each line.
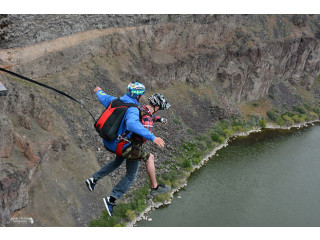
123, 212
272, 115
177, 120
298, 114
263, 123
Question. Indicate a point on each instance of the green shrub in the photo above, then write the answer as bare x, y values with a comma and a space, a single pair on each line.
121, 209
188, 146
186, 163
290, 114
95, 223
299, 118
238, 123
221, 139
228, 132
203, 139
307, 106
313, 115
170, 175
190, 131
217, 129
303, 117
130, 215
196, 161
105, 220
298, 96
138, 204
196, 155
296, 118
263, 123
201, 145
299, 109
288, 119
208, 141
272, 115
280, 121
237, 129
177, 121
176, 184
214, 136
223, 124
253, 121
118, 225
317, 110
200, 137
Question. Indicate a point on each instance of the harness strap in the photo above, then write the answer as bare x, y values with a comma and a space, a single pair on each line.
122, 141
119, 148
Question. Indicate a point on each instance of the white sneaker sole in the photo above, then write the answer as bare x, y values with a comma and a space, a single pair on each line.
89, 185
157, 193
106, 204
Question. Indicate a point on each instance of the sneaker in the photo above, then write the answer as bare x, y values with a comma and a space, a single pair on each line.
160, 189
109, 205
91, 183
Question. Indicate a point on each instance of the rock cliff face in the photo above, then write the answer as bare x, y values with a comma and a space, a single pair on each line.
206, 65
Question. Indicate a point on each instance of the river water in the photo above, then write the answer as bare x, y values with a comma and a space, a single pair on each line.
267, 179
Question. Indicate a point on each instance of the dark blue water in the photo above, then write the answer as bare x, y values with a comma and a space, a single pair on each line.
266, 179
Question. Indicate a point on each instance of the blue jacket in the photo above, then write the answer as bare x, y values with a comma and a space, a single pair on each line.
129, 122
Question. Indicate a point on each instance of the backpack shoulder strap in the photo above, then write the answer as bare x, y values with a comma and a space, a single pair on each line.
142, 113
118, 103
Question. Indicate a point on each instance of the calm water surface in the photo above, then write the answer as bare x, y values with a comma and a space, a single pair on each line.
266, 179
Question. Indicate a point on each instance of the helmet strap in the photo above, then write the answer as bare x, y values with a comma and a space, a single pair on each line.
154, 109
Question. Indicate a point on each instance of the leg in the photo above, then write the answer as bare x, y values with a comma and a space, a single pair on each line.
137, 152
108, 168
124, 184
151, 170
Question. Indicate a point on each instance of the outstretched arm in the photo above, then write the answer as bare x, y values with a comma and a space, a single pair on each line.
104, 98
159, 142
134, 125
97, 89
159, 119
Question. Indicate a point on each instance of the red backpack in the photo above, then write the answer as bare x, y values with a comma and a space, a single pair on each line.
109, 122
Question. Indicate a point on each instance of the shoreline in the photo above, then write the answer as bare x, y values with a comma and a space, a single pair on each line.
152, 206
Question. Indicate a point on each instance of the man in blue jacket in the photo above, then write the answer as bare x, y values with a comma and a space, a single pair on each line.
130, 122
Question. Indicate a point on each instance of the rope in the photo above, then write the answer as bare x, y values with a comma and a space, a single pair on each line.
46, 86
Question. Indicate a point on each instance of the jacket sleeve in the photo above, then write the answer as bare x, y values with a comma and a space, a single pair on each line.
104, 98
156, 118
134, 124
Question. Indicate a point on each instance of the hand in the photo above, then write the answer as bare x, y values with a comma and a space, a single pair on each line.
159, 142
164, 121
97, 89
